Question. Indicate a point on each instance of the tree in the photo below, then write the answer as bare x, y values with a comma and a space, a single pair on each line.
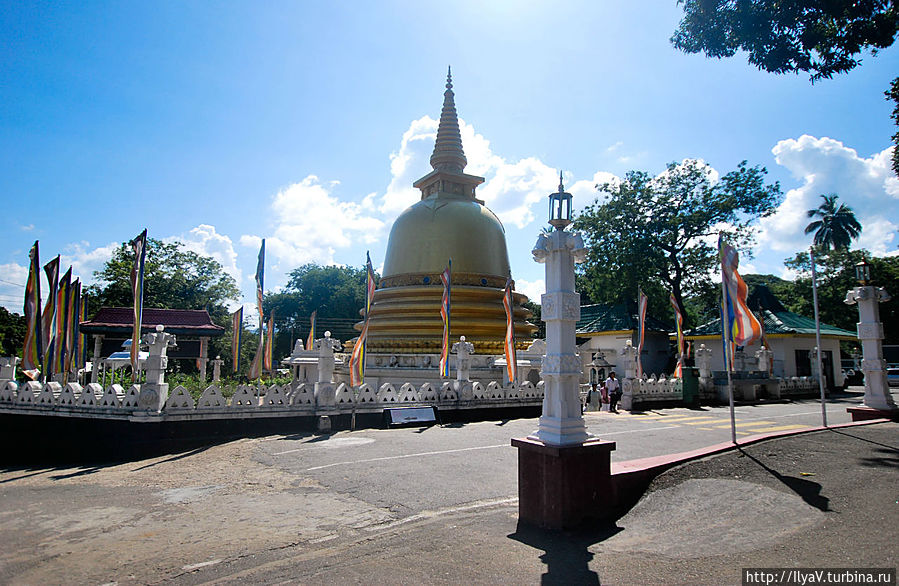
819, 38
658, 232
337, 294
12, 333
174, 278
836, 275
836, 226
893, 94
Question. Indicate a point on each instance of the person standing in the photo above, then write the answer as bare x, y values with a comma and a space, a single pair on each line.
613, 387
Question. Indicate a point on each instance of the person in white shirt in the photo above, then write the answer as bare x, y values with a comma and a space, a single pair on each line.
614, 389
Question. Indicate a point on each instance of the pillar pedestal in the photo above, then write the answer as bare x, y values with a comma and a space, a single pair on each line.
561, 486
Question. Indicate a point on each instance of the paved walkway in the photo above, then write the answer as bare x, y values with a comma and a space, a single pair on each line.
826, 499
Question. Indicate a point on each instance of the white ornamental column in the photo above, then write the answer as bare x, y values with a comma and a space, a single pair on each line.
95, 365
870, 334
154, 392
217, 369
562, 422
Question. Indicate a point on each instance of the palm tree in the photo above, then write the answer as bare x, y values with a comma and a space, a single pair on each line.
836, 226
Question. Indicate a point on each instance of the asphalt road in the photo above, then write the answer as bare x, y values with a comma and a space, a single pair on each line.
226, 511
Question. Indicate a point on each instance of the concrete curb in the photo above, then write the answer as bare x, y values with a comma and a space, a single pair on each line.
631, 478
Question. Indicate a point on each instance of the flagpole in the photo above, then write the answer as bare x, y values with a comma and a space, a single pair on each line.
811, 255
727, 350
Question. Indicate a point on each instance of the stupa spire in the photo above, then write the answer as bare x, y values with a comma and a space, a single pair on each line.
448, 154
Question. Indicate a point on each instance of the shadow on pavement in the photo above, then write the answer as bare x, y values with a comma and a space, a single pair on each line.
566, 554
808, 490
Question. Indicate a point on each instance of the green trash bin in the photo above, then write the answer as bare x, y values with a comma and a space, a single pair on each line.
690, 375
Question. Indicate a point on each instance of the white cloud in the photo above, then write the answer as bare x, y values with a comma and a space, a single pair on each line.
27, 228
510, 189
204, 240
12, 286
533, 289
311, 225
84, 259
825, 166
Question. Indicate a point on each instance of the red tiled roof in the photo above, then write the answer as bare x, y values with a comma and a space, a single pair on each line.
110, 319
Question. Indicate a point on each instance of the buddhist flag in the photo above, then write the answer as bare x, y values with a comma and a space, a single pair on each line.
447, 278
679, 324
256, 366
642, 301
48, 318
33, 351
73, 327
236, 334
739, 327
79, 337
357, 359
63, 308
511, 356
310, 341
260, 276
269, 342
139, 247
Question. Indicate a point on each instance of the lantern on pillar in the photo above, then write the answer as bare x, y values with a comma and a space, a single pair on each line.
863, 273
560, 207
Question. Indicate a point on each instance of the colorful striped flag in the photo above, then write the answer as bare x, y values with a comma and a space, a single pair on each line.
256, 366
63, 308
236, 334
642, 301
310, 341
269, 342
511, 354
33, 350
48, 317
447, 278
357, 358
72, 328
260, 277
679, 324
79, 337
139, 247
739, 327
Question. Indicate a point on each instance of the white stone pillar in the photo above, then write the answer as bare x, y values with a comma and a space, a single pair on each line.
562, 422
217, 369
463, 351
8, 368
325, 388
870, 334
204, 356
95, 365
154, 392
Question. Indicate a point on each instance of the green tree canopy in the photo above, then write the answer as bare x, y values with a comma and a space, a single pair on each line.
658, 232
835, 226
336, 293
12, 333
836, 275
821, 38
174, 278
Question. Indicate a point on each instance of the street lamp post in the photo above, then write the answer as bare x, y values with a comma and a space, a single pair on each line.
878, 401
562, 470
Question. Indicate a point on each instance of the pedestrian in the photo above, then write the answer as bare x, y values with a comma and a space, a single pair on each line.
613, 387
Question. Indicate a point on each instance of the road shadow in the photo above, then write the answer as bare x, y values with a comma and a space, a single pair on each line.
884, 455
566, 554
808, 490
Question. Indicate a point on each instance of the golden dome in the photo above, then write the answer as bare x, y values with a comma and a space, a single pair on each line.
449, 223
443, 227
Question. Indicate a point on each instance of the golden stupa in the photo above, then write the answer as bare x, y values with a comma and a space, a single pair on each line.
448, 224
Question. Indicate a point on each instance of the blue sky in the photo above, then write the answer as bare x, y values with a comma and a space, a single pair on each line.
306, 123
